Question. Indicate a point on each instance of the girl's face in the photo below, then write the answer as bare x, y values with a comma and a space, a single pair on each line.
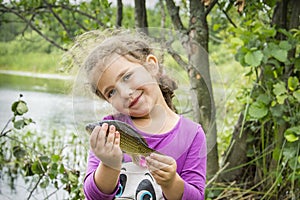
130, 87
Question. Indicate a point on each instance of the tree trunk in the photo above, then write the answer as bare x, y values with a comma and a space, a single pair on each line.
141, 15
236, 154
119, 13
199, 74
201, 87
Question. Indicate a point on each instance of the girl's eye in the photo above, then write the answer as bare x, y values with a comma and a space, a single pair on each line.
126, 77
111, 93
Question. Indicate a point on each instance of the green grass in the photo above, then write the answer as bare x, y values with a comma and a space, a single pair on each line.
32, 62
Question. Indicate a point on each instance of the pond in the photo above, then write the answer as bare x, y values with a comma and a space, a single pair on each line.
51, 106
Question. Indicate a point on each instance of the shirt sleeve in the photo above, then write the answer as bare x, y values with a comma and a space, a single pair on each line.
194, 169
91, 191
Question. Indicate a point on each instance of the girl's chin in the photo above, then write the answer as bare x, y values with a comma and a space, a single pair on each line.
138, 114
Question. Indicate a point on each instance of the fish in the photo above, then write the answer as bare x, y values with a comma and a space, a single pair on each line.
131, 142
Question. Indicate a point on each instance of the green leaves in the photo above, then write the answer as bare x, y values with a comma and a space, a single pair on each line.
296, 94
280, 91
292, 134
19, 152
254, 58
293, 83
258, 110
19, 107
277, 51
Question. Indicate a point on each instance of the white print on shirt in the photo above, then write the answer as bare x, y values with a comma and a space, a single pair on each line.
137, 183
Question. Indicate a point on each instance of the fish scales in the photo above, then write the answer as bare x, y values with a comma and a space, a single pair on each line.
131, 142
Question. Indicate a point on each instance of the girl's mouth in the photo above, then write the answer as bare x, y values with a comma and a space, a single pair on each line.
135, 101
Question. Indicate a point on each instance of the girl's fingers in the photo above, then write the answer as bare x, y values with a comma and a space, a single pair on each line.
102, 135
162, 158
110, 137
94, 136
117, 139
98, 136
155, 165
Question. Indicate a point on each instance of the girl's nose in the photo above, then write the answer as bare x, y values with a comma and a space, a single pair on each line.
124, 90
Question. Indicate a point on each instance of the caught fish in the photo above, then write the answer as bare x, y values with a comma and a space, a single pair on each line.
131, 142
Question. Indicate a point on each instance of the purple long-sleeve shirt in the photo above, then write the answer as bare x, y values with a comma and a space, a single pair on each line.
186, 143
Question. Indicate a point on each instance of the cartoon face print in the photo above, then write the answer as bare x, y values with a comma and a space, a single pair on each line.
137, 183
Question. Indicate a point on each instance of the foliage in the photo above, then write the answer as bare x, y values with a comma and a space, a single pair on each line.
271, 104
42, 163
10, 27
58, 21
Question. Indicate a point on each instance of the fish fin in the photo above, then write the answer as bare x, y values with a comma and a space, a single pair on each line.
135, 159
139, 160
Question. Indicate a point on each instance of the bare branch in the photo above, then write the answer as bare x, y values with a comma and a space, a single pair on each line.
3, 132
227, 16
58, 19
82, 13
174, 14
35, 187
163, 14
176, 56
210, 7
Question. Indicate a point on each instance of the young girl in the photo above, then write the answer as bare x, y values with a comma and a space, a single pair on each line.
124, 71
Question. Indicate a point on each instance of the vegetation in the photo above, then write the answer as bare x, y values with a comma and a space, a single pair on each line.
41, 161
260, 156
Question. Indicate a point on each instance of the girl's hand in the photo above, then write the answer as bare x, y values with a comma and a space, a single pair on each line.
107, 148
163, 169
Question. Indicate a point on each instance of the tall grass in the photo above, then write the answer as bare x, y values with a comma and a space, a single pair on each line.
29, 53
38, 62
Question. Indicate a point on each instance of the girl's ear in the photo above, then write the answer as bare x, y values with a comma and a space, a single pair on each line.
152, 64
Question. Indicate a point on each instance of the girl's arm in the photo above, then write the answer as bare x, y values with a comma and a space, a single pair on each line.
194, 169
189, 184
106, 178
91, 189
102, 177
163, 169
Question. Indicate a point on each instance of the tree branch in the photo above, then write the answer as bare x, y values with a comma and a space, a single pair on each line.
3, 132
34, 188
176, 56
210, 7
227, 16
82, 13
58, 19
174, 14
163, 14
28, 22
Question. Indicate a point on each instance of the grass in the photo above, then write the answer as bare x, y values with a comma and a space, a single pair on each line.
32, 62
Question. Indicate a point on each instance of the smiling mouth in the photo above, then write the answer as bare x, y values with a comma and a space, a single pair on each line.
132, 103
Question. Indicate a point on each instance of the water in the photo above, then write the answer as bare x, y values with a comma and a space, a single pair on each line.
52, 106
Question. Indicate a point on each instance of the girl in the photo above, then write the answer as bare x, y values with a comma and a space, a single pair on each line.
124, 71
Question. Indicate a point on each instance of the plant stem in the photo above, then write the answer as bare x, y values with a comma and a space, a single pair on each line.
3, 132
35, 186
